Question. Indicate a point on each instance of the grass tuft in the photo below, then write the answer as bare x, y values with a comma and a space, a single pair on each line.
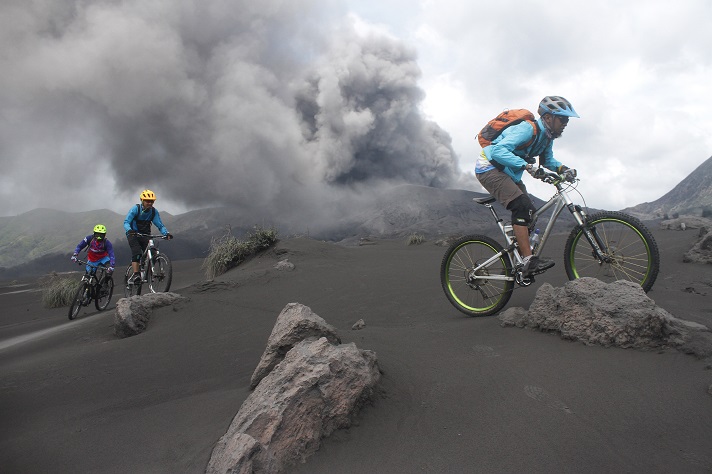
415, 239
58, 290
228, 251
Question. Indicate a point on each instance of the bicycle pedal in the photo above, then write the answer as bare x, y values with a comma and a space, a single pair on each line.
523, 280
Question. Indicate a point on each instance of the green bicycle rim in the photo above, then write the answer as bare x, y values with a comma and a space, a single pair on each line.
642, 238
449, 285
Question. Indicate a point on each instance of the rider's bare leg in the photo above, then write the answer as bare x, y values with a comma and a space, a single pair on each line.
521, 232
532, 264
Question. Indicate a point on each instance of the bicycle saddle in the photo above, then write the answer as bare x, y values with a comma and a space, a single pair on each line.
484, 200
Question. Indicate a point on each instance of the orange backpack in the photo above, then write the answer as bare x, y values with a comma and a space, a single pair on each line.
507, 118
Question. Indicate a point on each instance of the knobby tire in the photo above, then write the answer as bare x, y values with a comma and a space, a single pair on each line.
632, 250
470, 295
130, 290
104, 294
77, 303
160, 281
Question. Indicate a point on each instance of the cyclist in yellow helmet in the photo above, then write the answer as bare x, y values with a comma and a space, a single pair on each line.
138, 221
100, 251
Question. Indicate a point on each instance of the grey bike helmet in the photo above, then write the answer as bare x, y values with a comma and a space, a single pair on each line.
556, 105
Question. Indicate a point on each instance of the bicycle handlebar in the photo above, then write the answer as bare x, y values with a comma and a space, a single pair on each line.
82, 262
159, 236
548, 176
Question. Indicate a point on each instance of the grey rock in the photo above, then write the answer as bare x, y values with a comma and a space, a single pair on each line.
701, 252
284, 265
316, 389
295, 323
360, 324
132, 314
240, 454
615, 314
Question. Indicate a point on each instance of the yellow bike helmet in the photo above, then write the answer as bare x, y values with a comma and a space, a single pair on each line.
99, 232
148, 195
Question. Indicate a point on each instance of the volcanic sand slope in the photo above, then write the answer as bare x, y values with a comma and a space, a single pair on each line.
458, 394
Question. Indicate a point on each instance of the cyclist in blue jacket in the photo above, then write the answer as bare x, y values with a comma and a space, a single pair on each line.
138, 221
501, 165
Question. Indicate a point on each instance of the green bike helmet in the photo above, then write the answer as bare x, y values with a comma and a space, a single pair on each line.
99, 232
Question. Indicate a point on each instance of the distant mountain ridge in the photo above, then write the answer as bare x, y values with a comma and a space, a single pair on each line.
692, 196
46, 233
40, 240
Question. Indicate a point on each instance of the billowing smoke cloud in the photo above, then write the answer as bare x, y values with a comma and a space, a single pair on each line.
277, 107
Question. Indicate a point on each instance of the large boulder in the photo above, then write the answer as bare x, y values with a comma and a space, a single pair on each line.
317, 388
306, 385
610, 314
132, 314
294, 324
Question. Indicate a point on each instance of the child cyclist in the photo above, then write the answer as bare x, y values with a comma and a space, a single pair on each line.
138, 221
99, 250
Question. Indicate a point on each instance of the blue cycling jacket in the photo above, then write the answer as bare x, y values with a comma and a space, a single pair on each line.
139, 220
504, 150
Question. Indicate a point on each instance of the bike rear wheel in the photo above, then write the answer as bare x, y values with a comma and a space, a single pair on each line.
472, 295
160, 274
78, 300
104, 293
630, 250
132, 288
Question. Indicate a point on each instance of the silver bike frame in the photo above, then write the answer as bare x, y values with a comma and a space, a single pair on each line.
151, 248
558, 201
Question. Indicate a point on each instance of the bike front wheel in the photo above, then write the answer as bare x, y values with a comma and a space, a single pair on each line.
480, 292
78, 301
104, 294
160, 274
629, 250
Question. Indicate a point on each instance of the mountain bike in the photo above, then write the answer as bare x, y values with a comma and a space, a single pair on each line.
97, 284
478, 273
156, 269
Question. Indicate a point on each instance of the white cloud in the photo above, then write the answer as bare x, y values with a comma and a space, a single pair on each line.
222, 94
638, 73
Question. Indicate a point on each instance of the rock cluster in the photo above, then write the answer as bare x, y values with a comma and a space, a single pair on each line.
610, 314
685, 223
701, 252
306, 386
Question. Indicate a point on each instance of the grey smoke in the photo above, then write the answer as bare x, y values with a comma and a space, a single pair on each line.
278, 108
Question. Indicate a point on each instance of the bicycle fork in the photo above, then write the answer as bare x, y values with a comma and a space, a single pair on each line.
594, 240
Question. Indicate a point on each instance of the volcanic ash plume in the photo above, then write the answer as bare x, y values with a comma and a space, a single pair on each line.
273, 107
